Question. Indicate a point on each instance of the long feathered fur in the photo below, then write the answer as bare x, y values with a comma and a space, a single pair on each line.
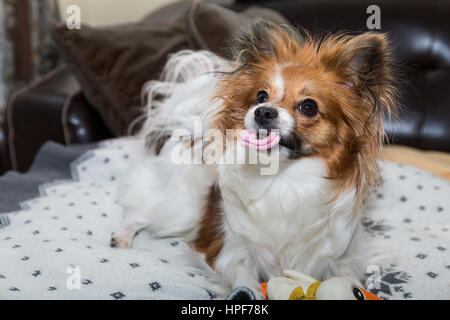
304, 217
185, 69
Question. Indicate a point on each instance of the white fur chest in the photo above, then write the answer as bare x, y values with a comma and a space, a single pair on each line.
286, 220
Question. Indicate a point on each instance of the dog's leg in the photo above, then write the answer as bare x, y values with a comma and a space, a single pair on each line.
246, 278
349, 273
124, 238
235, 267
353, 264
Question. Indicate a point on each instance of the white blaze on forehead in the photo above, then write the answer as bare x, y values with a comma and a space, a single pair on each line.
278, 83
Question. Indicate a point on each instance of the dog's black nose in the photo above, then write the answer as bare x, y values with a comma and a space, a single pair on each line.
265, 115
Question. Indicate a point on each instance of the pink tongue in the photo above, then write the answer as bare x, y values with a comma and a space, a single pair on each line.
249, 140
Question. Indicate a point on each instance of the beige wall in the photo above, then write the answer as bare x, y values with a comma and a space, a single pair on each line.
100, 12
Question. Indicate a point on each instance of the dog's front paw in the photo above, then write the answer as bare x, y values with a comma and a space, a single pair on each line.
245, 293
116, 242
241, 293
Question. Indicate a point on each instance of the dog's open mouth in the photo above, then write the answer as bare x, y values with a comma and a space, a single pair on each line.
252, 139
294, 144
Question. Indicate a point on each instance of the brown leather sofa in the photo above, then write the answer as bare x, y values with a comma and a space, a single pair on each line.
54, 108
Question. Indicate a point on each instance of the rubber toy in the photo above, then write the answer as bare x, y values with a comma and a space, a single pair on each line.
295, 285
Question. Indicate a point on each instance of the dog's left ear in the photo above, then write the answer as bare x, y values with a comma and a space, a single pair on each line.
365, 60
365, 64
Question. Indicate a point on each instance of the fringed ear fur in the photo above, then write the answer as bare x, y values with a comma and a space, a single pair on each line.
264, 39
366, 62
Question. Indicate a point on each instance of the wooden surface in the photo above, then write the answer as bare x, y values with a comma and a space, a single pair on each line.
436, 162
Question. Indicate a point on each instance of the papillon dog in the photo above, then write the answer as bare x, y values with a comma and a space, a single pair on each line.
315, 106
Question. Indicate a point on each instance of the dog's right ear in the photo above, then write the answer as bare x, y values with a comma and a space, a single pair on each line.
263, 39
255, 41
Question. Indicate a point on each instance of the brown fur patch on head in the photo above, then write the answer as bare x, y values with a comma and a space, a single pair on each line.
349, 77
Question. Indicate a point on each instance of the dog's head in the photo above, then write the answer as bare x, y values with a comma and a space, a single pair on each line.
321, 98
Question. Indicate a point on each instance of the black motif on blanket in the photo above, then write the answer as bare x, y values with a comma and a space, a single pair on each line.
4, 221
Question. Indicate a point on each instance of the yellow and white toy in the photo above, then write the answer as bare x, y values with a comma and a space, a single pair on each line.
298, 286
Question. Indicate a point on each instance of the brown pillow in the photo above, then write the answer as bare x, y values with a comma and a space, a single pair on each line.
112, 63
212, 27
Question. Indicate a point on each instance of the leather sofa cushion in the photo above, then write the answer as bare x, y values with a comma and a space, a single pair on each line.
112, 63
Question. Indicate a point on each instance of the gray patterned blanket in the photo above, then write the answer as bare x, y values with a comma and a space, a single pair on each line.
57, 221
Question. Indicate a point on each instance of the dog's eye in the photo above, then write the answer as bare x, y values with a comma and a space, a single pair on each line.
308, 107
262, 96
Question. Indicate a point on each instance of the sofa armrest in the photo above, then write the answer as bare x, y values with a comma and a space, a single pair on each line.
52, 108
5, 163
